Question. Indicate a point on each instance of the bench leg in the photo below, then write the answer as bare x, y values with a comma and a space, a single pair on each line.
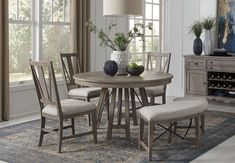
197, 131
150, 139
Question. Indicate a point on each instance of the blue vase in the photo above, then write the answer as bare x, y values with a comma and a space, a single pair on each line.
110, 68
197, 46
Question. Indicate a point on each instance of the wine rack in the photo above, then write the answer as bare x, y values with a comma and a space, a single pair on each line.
221, 84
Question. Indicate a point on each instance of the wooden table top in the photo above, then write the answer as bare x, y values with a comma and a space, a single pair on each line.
146, 79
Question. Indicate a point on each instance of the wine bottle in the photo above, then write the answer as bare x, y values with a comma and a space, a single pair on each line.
212, 76
224, 85
230, 77
218, 85
224, 76
218, 76
212, 85
230, 86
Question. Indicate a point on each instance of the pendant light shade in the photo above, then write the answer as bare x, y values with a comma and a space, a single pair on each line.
122, 7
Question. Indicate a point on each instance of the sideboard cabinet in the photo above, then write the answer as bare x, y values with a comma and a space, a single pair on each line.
210, 76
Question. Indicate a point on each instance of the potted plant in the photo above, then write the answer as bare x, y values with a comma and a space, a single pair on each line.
196, 29
207, 24
119, 43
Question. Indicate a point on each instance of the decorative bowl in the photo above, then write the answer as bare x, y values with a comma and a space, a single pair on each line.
135, 71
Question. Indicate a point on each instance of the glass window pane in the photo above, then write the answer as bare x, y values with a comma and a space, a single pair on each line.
46, 10
58, 11
149, 1
25, 7
52, 46
139, 45
156, 28
67, 10
156, 44
132, 47
156, 12
131, 23
12, 9
148, 44
147, 31
156, 1
20, 52
148, 11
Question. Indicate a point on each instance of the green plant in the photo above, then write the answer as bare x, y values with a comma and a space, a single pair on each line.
208, 23
196, 29
120, 41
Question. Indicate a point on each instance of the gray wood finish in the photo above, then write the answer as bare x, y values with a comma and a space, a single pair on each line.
196, 74
70, 66
159, 62
120, 84
47, 92
149, 146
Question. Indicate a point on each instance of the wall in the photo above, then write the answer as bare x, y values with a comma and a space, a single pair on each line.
180, 14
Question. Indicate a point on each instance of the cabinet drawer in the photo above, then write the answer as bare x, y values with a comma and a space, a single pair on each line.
221, 63
199, 64
221, 68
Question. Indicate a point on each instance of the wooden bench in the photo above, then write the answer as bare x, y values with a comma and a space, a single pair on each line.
180, 109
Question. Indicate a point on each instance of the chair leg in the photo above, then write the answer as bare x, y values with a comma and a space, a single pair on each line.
164, 98
152, 100
60, 134
88, 116
150, 139
73, 127
141, 131
197, 131
94, 127
43, 121
202, 117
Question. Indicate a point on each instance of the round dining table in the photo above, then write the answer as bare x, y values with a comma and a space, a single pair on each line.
121, 84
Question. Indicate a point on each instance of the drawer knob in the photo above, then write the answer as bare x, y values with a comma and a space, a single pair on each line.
196, 63
211, 62
211, 68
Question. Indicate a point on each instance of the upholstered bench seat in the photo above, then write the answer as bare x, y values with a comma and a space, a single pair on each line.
174, 110
180, 109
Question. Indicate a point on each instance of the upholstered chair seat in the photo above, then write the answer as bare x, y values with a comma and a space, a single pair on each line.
88, 92
155, 91
69, 107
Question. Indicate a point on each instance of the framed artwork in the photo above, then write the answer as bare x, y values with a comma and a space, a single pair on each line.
226, 25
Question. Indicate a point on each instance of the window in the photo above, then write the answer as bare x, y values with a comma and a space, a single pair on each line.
39, 30
152, 39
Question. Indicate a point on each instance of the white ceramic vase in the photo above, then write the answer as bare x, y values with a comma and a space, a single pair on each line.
121, 57
208, 44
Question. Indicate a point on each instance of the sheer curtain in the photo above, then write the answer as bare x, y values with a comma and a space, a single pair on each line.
4, 61
80, 14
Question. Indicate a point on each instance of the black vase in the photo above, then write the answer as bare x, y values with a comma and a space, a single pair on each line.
197, 46
110, 68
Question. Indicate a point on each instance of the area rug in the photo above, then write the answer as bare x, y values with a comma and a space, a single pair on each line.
18, 143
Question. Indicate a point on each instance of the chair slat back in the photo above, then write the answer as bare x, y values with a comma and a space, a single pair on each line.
70, 65
45, 84
159, 62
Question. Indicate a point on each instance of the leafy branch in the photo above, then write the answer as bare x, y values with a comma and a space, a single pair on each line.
120, 41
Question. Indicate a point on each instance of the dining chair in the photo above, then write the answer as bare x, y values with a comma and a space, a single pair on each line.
159, 62
71, 65
51, 107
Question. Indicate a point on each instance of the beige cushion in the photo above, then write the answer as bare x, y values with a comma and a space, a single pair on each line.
84, 92
154, 91
173, 110
70, 107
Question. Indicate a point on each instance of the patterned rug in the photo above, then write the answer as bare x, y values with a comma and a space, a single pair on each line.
18, 143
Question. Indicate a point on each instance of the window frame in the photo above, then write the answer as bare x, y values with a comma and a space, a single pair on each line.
144, 20
37, 24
